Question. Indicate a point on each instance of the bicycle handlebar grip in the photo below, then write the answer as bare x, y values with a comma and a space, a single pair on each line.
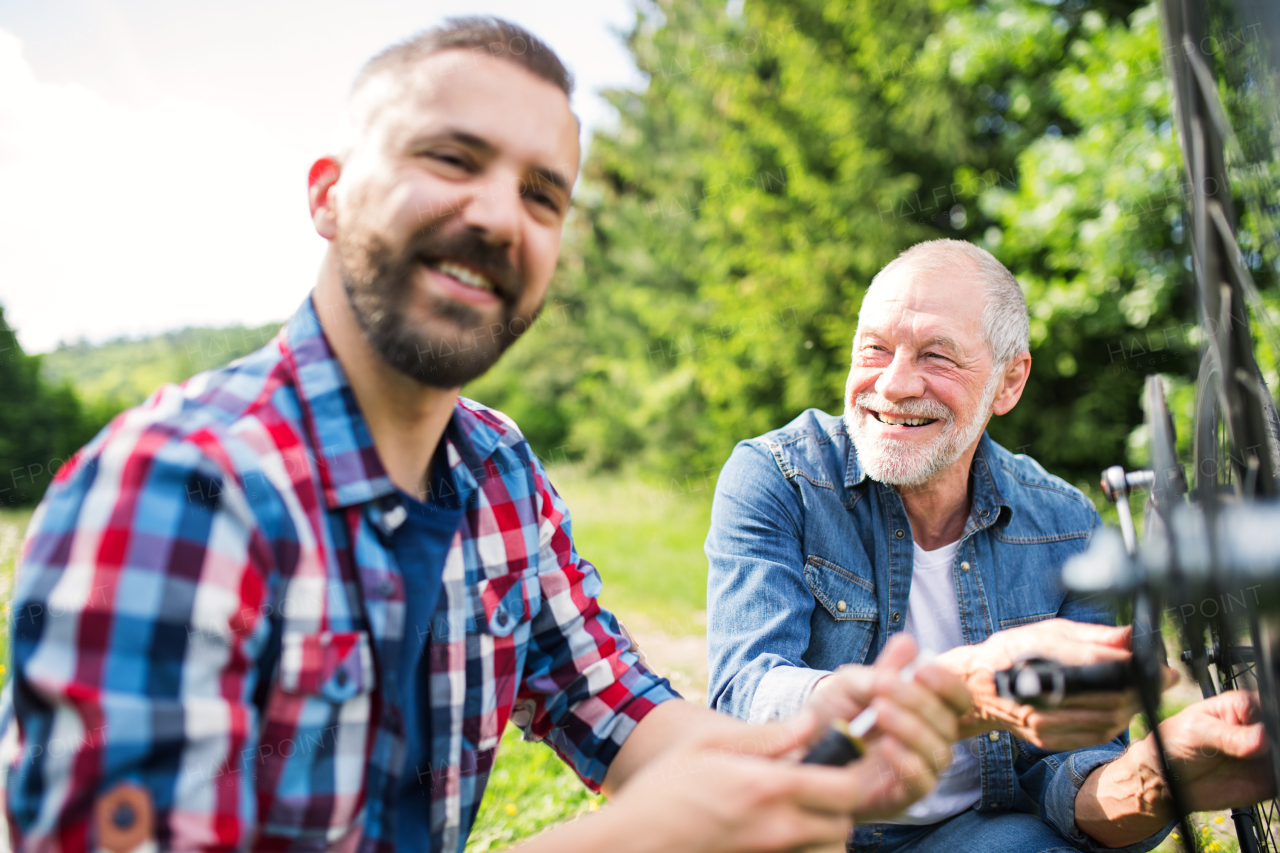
1108, 677
1042, 682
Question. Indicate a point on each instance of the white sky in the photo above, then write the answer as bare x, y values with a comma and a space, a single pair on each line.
153, 153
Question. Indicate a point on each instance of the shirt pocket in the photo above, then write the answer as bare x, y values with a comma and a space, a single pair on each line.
501, 610
499, 605
850, 600
311, 758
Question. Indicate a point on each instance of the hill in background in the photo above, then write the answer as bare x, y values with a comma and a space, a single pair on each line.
124, 372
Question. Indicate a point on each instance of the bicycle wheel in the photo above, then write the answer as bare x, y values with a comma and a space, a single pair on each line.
1241, 644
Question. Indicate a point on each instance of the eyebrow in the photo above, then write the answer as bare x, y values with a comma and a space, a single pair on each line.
935, 341
943, 341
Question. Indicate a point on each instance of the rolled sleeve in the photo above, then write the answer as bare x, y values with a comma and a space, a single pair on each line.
584, 685
1063, 775
782, 692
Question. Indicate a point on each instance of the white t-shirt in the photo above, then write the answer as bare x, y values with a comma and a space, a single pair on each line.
933, 619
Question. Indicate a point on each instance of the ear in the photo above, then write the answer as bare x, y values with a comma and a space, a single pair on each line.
323, 175
1015, 379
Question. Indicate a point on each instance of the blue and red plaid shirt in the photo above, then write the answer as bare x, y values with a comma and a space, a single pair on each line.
209, 609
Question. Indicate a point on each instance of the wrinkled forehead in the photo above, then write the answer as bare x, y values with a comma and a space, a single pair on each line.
925, 301
495, 100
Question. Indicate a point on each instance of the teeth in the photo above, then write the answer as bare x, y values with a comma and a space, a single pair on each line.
889, 419
464, 275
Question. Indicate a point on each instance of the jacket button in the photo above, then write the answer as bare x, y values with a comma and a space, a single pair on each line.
993, 737
899, 533
841, 606
964, 567
897, 617
983, 513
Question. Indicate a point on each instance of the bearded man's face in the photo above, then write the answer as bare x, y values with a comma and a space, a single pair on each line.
922, 383
451, 204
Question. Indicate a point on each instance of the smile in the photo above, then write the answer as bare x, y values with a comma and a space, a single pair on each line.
463, 275
909, 422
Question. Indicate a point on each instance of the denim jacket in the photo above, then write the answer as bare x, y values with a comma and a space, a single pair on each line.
810, 568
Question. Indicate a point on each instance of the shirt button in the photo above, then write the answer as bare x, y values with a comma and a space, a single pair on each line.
993, 737
341, 677
503, 618
841, 606
899, 533
386, 588
964, 567
897, 617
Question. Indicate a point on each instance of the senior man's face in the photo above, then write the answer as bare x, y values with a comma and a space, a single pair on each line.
921, 384
449, 211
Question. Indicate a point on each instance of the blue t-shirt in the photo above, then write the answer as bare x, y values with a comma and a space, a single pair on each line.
421, 543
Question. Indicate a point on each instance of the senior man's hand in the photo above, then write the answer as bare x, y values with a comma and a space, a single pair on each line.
1079, 721
1217, 752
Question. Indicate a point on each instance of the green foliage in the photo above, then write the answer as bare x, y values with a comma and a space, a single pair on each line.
1093, 231
41, 424
124, 372
726, 229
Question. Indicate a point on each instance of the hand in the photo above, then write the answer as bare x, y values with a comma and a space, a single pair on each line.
922, 713
740, 789
1217, 752
1079, 721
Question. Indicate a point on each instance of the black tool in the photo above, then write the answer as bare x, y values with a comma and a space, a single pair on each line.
843, 742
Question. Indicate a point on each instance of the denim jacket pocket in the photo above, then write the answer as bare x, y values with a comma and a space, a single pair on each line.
845, 595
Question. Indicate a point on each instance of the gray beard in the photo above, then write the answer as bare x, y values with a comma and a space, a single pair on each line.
897, 463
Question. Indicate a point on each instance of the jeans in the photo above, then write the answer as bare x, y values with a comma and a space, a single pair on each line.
968, 832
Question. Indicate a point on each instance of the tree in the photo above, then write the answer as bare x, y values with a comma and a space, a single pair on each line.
726, 229
41, 425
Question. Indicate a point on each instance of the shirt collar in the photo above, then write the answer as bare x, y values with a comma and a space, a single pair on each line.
349, 468
984, 470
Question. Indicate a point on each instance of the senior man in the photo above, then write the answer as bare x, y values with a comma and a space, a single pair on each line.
831, 535
293, 603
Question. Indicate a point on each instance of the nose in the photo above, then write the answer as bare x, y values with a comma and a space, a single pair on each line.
495, 209
901, 379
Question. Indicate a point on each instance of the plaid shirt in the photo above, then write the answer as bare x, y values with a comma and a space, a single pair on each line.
208, 610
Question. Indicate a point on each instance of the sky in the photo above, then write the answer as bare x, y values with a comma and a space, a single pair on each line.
154, 153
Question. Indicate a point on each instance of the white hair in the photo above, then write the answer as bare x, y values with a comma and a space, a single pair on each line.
1006, 326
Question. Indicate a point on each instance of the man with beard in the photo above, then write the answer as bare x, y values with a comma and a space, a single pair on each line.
292, 603
832, 535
